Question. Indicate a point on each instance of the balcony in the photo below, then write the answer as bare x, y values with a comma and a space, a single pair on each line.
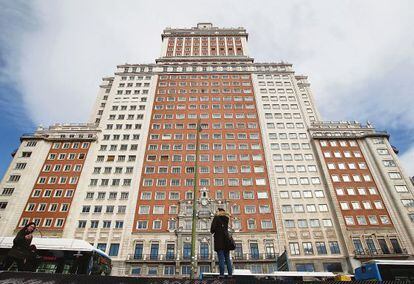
245, 257
378, 253
254, 257
202, 257
151, 258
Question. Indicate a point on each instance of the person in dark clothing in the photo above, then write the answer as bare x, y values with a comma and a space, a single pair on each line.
21, 250
32, 260
220, 227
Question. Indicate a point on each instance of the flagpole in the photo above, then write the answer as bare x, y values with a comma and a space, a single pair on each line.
194, 223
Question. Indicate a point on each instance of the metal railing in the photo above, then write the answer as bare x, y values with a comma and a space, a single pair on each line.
254, 256
202, 257
152, 257
379, 252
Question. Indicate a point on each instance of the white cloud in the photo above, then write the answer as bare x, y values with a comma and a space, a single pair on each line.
407, 161
10, 50
358, 55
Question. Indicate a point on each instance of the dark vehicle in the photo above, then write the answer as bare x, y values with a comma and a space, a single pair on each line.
67, 256
386, 270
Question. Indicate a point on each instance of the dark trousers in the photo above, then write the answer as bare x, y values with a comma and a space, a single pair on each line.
8, 262
224, 257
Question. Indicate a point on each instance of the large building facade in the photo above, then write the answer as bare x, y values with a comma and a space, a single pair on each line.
247, 136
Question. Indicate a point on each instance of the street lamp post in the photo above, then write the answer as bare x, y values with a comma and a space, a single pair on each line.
194, 222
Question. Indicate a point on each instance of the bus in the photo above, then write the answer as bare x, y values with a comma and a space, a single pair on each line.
385, 270
246, 276
67, 256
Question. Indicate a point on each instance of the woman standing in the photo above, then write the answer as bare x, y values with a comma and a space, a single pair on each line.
21, 251
220, 227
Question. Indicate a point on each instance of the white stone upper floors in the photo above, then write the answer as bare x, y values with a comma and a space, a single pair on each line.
103, 208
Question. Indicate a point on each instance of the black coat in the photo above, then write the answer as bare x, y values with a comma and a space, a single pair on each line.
220, 227
21, 245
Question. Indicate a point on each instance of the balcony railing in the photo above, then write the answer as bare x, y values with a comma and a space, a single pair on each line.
202, 257
254, 256
152, 257
366, 253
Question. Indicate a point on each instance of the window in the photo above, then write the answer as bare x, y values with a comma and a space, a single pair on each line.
378, 204
113, 250
327, 223
248, 194
349, 220
26, 154
186, 250
359, 249
250, 209
294, 248
409, 203
389, 163
394, 175
97, 209
321, 248
362, 191
204, 251
251, 224
159, 195
385, 220
143, 209
142, 225
81, 224
373, 220
94, 224
156, 224
289, 223
372, 191
366, 204
254, 251
334, 247
186, 269
106, 224
3, 205
319, 193
335, 178
305, 267
307, 248
356, 205
158, 209
20, 166
361, 220
7, 191
323, 208
16, 178
382, 151
267, 224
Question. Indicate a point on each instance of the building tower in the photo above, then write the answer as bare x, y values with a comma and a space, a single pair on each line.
327, 195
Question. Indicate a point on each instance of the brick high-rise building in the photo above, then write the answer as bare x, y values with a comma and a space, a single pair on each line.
330, 194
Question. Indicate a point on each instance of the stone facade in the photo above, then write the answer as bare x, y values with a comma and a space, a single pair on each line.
329, 194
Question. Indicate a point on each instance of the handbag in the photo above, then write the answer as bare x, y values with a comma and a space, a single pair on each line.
231, 244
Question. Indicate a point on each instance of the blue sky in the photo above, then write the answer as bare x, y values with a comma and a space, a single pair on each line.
359, 55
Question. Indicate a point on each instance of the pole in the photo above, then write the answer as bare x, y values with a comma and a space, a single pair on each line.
194, 223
